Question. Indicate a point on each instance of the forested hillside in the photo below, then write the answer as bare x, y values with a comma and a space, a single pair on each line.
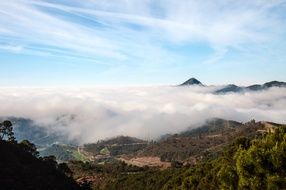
207, 140
257, 163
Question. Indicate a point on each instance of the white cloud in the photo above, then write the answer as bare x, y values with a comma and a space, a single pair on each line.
221, 24
89, 114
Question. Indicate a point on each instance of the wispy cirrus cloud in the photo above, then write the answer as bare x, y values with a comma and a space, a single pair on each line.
32, 27
111, 29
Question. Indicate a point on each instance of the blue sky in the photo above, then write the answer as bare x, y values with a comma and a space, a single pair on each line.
141, 42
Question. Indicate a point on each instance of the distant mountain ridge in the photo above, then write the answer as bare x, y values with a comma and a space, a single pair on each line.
234, 88
255, 87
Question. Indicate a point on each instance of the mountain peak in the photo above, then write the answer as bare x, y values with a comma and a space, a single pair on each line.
192, 81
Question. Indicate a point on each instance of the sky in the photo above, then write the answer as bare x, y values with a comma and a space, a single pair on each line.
141, 42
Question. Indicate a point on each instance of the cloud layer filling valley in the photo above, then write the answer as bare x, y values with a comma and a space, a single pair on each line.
90, 114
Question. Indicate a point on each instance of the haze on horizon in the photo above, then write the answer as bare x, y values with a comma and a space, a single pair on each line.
148, 42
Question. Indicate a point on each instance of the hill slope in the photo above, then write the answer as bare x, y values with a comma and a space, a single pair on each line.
116, 146
205, 141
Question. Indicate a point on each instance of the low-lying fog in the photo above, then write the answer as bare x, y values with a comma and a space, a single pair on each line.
89, 114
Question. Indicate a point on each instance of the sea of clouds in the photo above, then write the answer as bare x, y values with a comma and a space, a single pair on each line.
90, 114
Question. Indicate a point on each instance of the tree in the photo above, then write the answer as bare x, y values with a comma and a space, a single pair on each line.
227, 175
51, 160
6, 131
262, 165
63, 167
29, 147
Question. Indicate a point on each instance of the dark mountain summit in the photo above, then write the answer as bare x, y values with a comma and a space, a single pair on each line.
192, 81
